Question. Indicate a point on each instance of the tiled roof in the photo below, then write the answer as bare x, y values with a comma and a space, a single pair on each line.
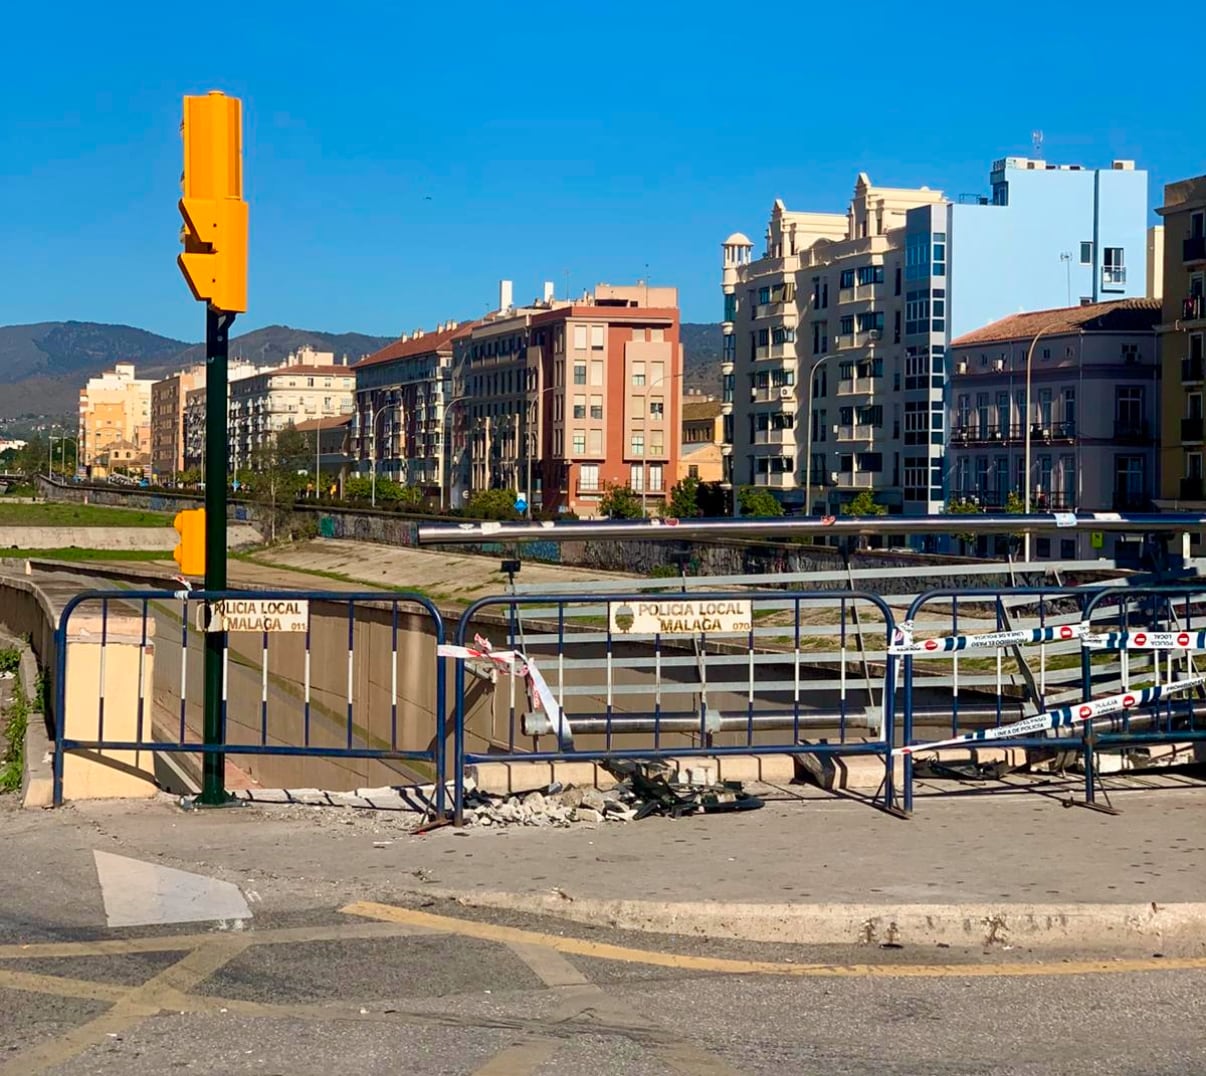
1122, 315
428, 342
322, 371
698, 410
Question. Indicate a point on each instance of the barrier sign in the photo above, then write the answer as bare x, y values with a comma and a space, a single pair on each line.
679, 616
904, 643
1064, 717
261, 614
1147, 640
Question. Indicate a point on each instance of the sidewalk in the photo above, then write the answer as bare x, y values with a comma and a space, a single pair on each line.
1015, 869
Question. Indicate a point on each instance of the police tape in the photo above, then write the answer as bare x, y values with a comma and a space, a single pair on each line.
1064, 717
904, 643
518, 664
1146, 640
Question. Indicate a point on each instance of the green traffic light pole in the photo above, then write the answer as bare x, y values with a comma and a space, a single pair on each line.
217, 339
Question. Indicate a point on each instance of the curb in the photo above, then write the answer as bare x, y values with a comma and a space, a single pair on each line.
1151, 927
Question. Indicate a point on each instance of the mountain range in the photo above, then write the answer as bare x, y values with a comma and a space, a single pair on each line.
43, 366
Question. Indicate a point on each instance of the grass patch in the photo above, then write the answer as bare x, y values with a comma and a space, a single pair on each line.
15, 719
73, 553
79, 515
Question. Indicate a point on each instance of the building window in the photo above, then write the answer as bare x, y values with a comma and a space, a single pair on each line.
730, 307
847, 279
692, 471
1113, 269
763, 337
730, 348
596, 408
872, 320
579, 373
870, 274
655, 478
657, 446
596, 442
579, 337
596, 372
636, 477
588, 478
846, 327
579, 407
637, 444
579, 442
596, 337
1086, 254
763, 296
657, 409
638, 374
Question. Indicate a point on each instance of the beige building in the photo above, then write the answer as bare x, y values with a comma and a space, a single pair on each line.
827, 287
266, 402
167, 420
193, 413
1183, 344
114, 407
703, 440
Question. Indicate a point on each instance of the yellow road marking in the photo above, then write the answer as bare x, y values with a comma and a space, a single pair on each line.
134, 1006
60, 987
522, 1059
727, 966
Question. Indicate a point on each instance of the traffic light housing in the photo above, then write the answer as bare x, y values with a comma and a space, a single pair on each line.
214, 262
190, 552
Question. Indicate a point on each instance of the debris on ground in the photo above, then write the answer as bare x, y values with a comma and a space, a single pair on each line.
642, 789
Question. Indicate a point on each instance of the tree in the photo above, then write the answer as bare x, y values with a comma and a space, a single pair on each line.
619, 502
758, 502
34, 457
496, 504
962, 506
864, 504
275, 482
684, 499
713, 500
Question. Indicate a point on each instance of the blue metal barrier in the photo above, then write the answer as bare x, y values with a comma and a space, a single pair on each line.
805, 660
1049, 604
284, 693
1176, 609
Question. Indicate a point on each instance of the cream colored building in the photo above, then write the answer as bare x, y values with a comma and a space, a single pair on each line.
167, 420
193, 413
116, 406
265, 403
703, 439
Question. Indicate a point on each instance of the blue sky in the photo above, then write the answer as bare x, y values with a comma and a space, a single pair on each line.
401, 159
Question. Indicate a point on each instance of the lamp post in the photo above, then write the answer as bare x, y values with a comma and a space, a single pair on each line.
446, 455
808, 437
529, 406
1026, 453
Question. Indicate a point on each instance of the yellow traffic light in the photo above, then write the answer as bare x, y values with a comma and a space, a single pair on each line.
190, 553
214, 262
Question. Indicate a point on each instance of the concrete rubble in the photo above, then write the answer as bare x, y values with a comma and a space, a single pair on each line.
552, 807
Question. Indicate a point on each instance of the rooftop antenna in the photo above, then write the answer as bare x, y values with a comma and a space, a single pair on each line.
1036, 138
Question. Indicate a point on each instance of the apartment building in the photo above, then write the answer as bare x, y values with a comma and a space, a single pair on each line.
266, 402
1088, 420
116, 406
1183, 344
402, 393
836, 339
167, 420
562, 398
194, 410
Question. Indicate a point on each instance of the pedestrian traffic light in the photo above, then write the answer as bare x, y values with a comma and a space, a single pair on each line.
214, 262
190, 553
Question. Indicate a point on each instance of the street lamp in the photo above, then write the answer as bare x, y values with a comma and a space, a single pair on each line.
808, 436
446, 455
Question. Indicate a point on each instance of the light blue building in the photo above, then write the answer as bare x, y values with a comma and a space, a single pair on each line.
1049, 236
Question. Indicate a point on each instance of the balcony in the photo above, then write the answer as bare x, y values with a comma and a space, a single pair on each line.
1128, 431
1193, 250
1191, 430
774, 394
589, 489
1113, 278
868, 338
775, 437
1191, 369
857, 480
855, 433
1193, 308
777, 479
